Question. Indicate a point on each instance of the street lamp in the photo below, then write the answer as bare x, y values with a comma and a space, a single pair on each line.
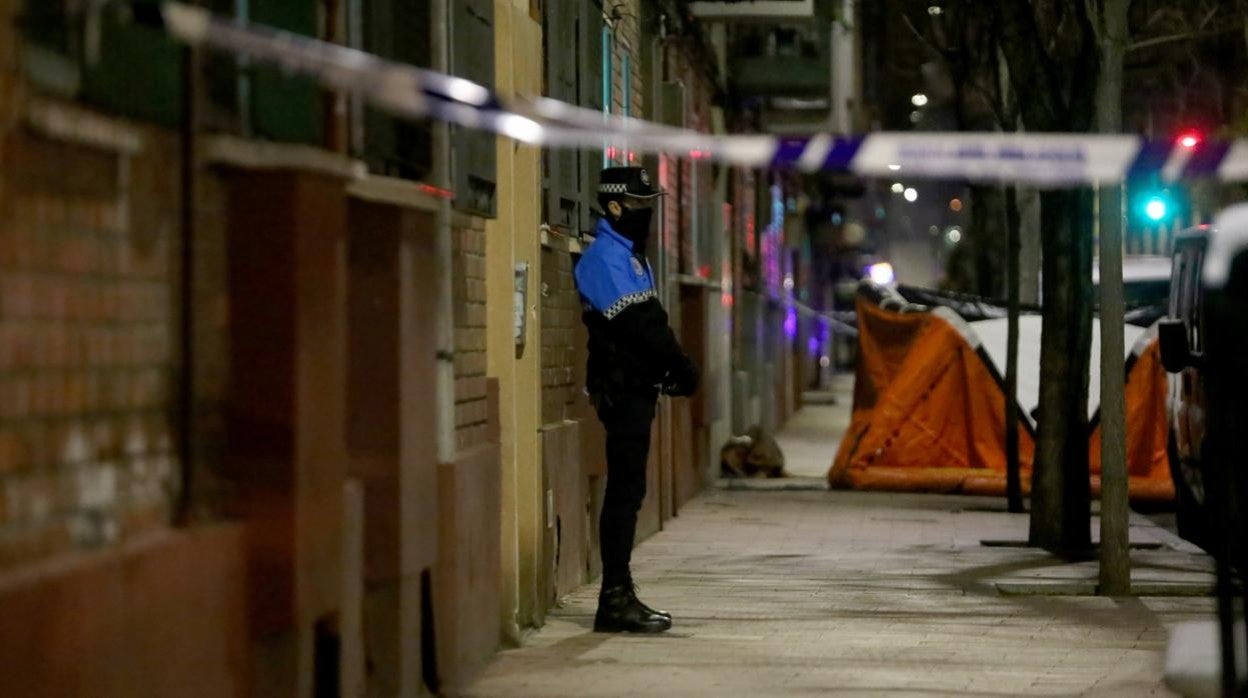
881, 273
919, 100
911, 194
898, 187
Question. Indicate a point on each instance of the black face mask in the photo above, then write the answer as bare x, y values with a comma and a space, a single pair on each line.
634, 224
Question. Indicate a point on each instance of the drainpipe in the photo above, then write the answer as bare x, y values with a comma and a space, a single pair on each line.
658, 72
186, 327
441, 175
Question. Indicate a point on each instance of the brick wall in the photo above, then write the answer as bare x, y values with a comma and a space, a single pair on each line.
680, 206
560, 315
627, 42
8, 77
468, 279
87, 318
89, 284
210, 334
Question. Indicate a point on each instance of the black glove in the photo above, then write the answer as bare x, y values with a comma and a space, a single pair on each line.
682, 379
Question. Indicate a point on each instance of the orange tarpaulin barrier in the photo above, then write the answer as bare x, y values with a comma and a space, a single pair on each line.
928, 413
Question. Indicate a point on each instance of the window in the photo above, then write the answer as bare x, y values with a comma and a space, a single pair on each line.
1185, 297
1196, 323
589, 85
284, 107
474, 153
608, 45
107, 61
390, 145
102, 59
627, 95
562, 185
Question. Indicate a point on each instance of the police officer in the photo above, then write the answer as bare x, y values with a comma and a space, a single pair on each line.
633, 358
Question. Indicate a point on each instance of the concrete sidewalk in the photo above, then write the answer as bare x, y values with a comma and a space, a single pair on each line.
780, 593
793, 592
811, 437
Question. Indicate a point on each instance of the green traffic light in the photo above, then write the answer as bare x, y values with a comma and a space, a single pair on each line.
1155, 208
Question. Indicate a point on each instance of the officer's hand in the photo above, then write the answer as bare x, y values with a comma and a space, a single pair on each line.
682, 380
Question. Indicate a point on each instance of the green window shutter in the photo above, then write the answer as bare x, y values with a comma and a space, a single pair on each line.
138, 75
284, 107
474, 153
562, 186
591, 96
398, 30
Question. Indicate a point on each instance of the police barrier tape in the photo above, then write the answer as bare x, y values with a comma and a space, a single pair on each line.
840, 322
1043, 160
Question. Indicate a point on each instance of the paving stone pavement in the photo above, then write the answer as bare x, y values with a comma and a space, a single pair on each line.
790, 592
810, 438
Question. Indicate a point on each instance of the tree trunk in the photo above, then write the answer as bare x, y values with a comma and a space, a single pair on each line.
1029, 257
1053, 67
1115, 569
1060, 494
987, 214
975, 265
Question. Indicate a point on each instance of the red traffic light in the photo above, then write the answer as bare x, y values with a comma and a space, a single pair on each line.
1190, 139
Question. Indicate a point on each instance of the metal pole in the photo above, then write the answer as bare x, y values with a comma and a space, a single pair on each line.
1115, 573
1013, 478
186, 257
445, 336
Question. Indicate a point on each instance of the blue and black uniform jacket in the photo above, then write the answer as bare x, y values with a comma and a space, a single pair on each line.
631, 346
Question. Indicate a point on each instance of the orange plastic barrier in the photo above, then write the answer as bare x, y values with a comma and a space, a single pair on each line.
929, 415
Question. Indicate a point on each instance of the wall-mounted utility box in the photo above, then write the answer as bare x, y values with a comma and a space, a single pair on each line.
521, 295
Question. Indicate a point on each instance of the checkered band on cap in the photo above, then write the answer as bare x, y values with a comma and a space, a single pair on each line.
613, 188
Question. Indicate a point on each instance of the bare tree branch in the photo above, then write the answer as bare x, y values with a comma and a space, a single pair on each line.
1213, 11
1093, 9
1184, 36
922, 37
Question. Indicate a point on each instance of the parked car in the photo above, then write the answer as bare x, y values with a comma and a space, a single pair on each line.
1145, 280
1182, 341
1145, 287
1204, 344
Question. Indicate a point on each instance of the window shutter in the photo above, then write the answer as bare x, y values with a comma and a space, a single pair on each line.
590, 97
474, 156
562, 184
285, 107
394, 146
139, 73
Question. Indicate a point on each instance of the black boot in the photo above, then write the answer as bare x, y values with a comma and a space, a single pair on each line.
619, 611
651, 611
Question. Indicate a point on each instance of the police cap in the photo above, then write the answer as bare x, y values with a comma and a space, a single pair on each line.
633, 182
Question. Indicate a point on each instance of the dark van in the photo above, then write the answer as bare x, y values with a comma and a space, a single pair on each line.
1182, 344
1204, 345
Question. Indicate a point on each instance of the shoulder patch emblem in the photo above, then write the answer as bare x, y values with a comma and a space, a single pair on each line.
637, 268
645, 177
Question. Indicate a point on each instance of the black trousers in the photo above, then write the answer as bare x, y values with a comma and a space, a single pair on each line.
627, 419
